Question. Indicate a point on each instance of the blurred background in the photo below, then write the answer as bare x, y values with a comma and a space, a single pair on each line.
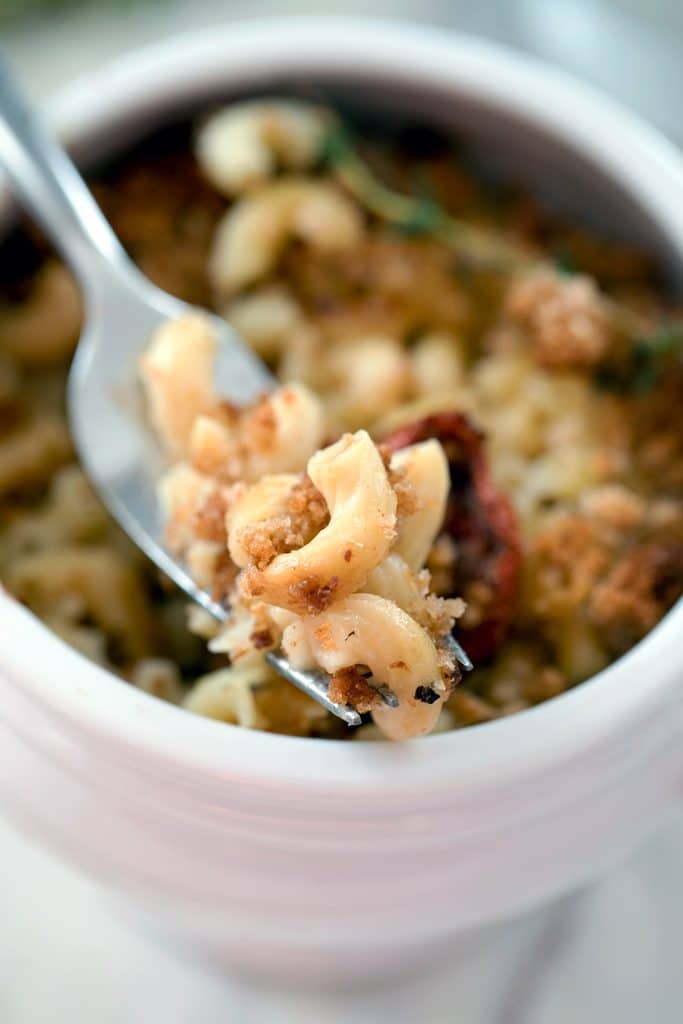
632, 48
610, 955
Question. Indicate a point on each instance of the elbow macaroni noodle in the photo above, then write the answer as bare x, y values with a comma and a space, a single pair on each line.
277, 435
425, 469
354, 484
311, 594
178, 373
241, 146
375, 631
252, 234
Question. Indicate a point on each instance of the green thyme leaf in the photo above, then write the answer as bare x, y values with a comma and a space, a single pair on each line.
565, 262
479, 248
642, 371
475, 246
336, 145
425, 218
669, 338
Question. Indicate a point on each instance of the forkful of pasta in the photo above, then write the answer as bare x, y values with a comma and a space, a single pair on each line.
307, 553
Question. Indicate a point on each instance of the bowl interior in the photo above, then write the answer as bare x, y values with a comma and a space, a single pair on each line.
509, 144
503, 144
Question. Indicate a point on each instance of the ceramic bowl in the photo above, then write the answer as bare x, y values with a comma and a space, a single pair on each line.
325, 859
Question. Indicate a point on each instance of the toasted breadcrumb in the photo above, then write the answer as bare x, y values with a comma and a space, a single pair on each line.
440, 613
224, 578
209, 519
312, 594
348, 686
306, 515
262, 639
307, 508
566, 318
639, 588
323, 634
259, 426
616, 506
567, 558
406, 499
266, 539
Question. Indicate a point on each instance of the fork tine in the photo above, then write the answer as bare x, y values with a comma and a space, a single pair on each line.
459, 653
315, 684
387, 695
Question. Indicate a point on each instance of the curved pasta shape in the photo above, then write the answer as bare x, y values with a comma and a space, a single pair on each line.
371, 375
266, 317
276, 435
43, 330
251, 235
353, 481
394, 580
177, 374
32, 453
438, 365
67, 583
365, 629
425, 467
242, 145
181, 492
228, 695
234, 638
263, 500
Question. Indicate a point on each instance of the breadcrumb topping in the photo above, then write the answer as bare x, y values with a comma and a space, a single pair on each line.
640, 586
349, 686
565, 316
313, 595
209, 519
564, 523
306, 514
568, 557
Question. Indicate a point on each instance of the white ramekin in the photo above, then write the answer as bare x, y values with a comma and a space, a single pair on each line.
324, 858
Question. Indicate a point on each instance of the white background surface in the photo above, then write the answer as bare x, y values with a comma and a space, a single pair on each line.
611, 955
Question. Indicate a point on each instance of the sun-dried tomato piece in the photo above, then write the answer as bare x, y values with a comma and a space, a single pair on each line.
483, 524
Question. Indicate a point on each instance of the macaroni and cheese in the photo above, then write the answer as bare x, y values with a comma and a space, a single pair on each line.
477, 431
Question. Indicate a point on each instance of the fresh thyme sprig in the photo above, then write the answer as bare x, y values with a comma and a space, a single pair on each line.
645, 364
476, 246
480, 248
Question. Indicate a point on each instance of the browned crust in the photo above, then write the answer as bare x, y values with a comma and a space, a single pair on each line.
348, 686
306, 514
566, 318
262, 639
639, 588
224, 579
209, 519
313, 595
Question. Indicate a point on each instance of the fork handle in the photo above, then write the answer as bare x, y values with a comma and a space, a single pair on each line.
50, 188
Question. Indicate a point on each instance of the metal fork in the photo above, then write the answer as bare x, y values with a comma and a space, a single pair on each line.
122, 309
